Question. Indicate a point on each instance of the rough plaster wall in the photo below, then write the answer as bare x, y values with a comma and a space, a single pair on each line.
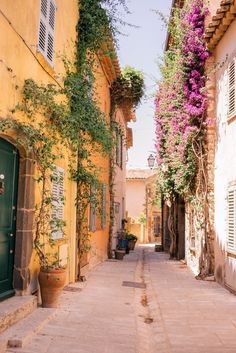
225, 161
193, 254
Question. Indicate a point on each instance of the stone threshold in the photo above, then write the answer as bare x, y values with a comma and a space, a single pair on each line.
15, 309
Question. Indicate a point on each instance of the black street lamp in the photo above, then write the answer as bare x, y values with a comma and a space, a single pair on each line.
151, 161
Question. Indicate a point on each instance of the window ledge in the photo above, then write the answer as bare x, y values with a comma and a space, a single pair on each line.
231, 254
45, 63
231, 119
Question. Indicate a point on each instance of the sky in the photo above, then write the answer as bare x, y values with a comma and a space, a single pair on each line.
142, 48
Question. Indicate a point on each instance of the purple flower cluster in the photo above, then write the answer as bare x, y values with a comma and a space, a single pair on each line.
181, 101
195, 54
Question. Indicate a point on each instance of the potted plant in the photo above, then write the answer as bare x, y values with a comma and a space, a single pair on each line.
52, 278
48, 232
119, 254
121, 246
132, 239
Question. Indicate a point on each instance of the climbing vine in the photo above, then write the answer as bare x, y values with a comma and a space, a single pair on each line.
181, 120
68, 118
71, 119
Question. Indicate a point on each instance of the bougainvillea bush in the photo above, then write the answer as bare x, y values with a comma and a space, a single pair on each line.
181, 101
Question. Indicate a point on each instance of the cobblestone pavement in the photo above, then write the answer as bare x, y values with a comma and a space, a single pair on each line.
169, 312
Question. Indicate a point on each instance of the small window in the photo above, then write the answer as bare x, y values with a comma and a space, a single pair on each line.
92, 213
231, 92
46, 29
57, 203
231, 239
119, 149
192, 237
156, 225
103, 215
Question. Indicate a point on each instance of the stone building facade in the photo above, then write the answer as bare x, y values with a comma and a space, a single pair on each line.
220, 34
217, 230
34, 51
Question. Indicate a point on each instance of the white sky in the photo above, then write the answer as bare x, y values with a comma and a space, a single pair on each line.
141, 48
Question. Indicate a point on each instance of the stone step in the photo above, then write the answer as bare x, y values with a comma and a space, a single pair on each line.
15, 309
22, 332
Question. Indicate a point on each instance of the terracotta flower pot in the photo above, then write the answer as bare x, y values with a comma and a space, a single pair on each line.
131, 244
51, 284
119, 254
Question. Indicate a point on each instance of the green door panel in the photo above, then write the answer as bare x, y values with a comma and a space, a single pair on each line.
9, 165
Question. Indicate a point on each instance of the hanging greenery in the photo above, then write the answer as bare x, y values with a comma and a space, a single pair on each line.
128, 88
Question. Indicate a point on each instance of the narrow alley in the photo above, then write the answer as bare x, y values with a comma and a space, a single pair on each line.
144, 304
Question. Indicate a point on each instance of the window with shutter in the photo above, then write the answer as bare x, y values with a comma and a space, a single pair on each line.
231, 241
57, 203
231, 90
104, 192
46, 29
92, 215
119, 149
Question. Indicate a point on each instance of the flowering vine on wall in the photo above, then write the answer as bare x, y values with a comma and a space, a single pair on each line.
181, 128
181, 101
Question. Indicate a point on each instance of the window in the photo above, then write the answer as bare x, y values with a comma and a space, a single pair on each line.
117, 214
103, 215
119, 149
192, 237
57, 203
156, 225
46, 29
231, 238
92, 211
231, 91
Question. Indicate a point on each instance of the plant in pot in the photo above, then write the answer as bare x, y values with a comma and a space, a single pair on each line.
132, 239
48, 223
49, 230
128, 89
121, 246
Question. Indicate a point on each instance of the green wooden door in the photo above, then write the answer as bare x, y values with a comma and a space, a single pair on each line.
9, 161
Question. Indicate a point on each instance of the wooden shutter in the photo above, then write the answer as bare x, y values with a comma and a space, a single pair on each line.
231, 241
104, 194
92, 216
46, 29
121, 151
222, 107
57, 202
231, 90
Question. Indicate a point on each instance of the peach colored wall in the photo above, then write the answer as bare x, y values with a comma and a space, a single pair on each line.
135, 206
119, 180
99, 238
135, 194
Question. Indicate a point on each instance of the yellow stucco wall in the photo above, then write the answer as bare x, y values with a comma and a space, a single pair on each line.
20, 60
99, 238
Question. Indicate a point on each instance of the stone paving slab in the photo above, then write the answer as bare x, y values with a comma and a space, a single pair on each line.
19, 334
197, 316
175, 313
98, 319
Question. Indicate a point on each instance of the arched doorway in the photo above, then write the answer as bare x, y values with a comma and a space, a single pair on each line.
9, 171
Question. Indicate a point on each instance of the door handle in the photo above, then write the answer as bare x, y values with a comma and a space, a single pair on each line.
2, 184
11, 251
